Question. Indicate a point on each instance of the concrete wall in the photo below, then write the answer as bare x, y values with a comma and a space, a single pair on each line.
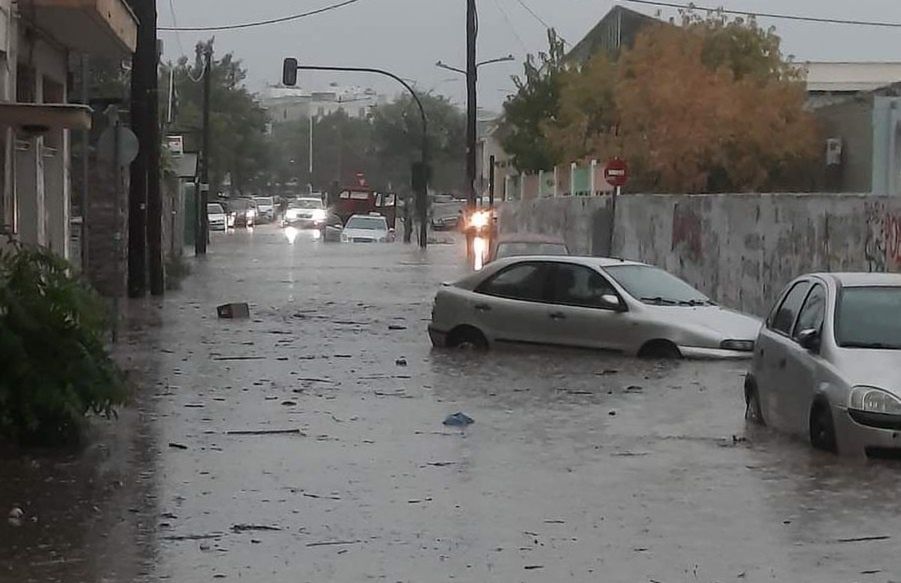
740, 249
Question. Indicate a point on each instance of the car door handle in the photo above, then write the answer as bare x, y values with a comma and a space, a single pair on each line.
783, 363
557, 316
482, 308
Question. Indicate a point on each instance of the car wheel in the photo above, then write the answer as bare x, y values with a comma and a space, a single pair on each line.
753, 411
467, 338
663, 349
822, 428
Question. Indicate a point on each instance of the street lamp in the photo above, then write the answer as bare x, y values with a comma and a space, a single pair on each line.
508, 58
290, 66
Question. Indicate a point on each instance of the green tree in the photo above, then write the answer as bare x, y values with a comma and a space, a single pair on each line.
535, 104
239, 148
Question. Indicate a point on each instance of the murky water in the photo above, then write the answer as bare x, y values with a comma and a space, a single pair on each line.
580, 467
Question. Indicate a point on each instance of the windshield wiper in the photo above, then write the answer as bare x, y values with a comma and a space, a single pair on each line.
696, 303
875, 345
660, 301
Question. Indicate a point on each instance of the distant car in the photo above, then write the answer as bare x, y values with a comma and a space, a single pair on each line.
587, 302
827, 365
243, 212
265, 208
519, 245
367, 229
333, 227
216, 217
445, 223
305, 213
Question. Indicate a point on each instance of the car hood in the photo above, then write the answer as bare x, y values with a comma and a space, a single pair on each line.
731, 325
875, 368
365, 233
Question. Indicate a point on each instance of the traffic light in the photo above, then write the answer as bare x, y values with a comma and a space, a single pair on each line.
289, 72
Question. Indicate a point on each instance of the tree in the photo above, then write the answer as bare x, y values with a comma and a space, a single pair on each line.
239, 149
397, 140
707, 107
535, 104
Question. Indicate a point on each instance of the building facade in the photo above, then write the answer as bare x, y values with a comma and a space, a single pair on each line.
289, 104
36, 39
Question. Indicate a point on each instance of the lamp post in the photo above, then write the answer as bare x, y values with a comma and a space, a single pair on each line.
420, 170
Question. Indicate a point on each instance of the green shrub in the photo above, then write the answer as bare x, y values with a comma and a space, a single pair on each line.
54, 366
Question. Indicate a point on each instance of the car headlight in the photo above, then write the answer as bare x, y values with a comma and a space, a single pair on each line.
738, 345
318, 215
873, 400
291, 214
250, 213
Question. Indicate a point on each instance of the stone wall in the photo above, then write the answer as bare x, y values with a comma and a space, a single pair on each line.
741, 249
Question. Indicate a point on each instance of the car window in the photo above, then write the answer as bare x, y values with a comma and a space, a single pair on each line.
335, 221
524, 281
305, 204
867, 317
813, 312
784, 317
576, 285
654, 286
214, 209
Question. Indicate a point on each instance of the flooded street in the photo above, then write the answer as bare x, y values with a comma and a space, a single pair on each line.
306, 445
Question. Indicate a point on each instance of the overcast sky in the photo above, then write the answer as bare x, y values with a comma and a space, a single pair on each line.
408, 36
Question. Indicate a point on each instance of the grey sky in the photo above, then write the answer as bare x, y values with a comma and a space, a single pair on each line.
408, 36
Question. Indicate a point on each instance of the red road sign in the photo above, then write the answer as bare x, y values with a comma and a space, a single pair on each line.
616, 172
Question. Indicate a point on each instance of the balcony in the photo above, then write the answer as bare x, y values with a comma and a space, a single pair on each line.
97, 27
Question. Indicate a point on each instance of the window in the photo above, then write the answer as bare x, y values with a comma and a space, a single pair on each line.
813, 312
525, 281
655, 286
368, 223
867, 317
575, 285
784, 317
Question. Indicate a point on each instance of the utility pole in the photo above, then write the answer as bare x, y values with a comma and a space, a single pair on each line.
471, 104
154, 195
142, 67
203, 190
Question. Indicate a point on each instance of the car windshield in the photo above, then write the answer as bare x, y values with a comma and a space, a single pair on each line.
867, 317
267, 201
214, 209
655, 286
520, 249
305, 204
367, 223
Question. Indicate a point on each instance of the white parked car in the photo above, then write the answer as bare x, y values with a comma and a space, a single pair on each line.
265, 208
367, 229
827, 365
215, 216
588, 302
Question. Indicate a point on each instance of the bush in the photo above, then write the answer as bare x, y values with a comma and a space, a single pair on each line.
55, 369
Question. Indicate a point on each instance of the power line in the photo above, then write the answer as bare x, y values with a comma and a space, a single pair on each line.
260, 22
818, 19
510, 24
539, 19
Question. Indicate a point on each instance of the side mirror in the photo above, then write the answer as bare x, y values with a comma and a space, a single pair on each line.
289, 72
809, 339
612, 301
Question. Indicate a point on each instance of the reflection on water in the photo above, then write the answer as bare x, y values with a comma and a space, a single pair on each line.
480, 252
291, 234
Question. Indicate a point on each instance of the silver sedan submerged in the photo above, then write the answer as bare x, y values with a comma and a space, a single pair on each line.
588, 302
828, 364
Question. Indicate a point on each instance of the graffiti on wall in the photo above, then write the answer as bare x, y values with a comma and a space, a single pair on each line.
687, 233
883, 246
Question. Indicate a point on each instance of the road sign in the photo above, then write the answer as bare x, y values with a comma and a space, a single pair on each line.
126, 141
616, 172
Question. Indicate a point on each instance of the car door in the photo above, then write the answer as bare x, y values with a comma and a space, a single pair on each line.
511, 305
774, 344
579, 315
802, 364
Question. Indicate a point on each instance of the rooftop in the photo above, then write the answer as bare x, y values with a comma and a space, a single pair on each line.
850, 77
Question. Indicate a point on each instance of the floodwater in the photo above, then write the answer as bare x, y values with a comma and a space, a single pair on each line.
579, 466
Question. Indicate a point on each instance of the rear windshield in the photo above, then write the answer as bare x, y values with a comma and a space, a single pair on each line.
305, 204
368, 223
523, 249
264, 200
868, 317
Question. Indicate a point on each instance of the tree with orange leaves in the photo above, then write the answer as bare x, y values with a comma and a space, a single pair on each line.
709, 106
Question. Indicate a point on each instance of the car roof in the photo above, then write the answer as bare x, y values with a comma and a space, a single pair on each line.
530, 238
375, 216
861, 279
316, 198
580, 260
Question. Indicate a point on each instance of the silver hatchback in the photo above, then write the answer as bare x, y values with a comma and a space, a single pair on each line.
827, 364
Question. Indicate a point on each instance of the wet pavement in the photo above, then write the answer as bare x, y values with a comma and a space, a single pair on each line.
306, 444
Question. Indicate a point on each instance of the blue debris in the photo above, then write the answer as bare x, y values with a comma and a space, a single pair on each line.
458, 420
